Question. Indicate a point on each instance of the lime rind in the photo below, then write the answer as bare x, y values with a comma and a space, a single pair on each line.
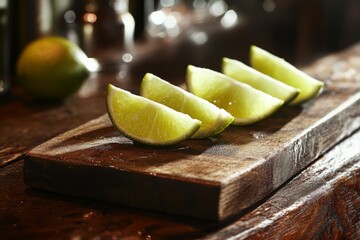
51, 68
146, 121
283, 71
243, 73
214, 120
247, 104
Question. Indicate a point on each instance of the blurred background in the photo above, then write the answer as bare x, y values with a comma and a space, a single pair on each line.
163, 36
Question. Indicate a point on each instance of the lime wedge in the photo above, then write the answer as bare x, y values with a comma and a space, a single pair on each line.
247, 104
146, 121
281, 70
243, 73
213, 119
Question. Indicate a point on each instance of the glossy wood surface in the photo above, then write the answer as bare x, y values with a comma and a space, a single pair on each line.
320, 202
213, 178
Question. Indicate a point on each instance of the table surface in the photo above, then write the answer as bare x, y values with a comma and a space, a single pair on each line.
322, 201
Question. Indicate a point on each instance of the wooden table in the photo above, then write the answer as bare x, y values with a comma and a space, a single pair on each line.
322, 201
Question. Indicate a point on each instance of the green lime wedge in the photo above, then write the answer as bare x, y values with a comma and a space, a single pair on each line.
146, 121
247, 104
243, 73
283, 71
213, 119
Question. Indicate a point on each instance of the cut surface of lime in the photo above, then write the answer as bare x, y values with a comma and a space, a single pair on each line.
281, 70
146, 121
247, 104
213, 119
243, 73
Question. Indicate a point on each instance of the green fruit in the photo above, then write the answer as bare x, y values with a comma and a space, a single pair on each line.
247, 104
243, 73
283, 71
147, 121
52, 68
213, 119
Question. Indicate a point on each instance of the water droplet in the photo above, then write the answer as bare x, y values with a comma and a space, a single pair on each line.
259, 135
88, 215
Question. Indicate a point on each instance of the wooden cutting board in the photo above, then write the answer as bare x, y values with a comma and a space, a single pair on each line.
213, 178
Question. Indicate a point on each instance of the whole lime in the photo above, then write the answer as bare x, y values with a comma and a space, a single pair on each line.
51, 68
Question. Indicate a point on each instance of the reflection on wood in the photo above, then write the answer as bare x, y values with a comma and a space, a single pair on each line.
214, 178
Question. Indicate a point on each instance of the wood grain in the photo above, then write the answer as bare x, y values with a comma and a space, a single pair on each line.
214, 178
321, 202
